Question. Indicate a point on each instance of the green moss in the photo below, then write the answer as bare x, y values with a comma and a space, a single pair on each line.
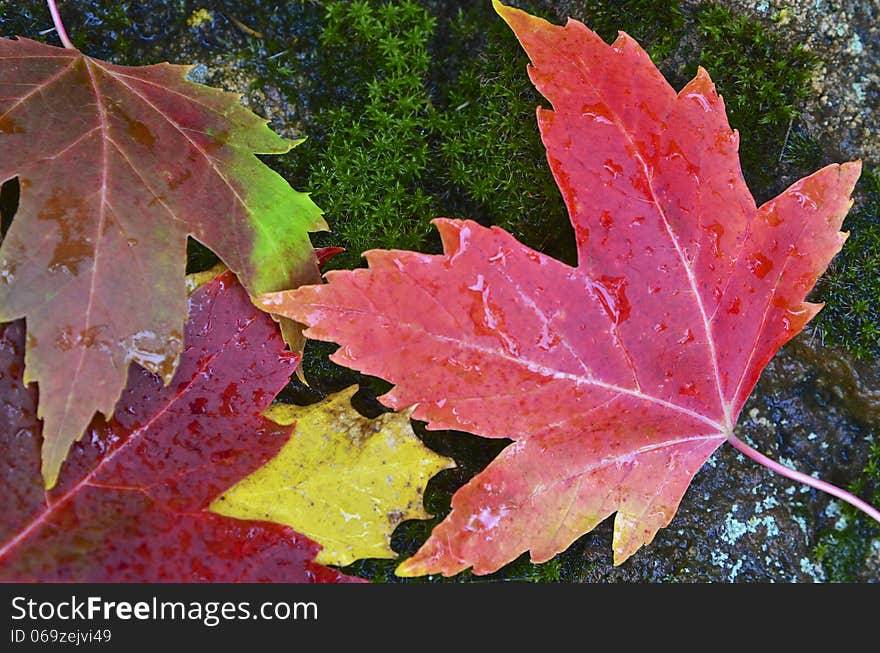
403, 138
801, 150
843, 549
851, 287
490, 147
198, 257
657, 24
370, 174
763, 84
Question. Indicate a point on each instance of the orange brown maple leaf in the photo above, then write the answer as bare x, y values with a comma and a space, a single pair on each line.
117, 166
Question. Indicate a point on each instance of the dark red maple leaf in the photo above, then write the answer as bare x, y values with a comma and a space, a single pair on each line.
131, 501
618, 378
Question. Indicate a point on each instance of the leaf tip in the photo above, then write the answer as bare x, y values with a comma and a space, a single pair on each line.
851, 170
50, 468
452, 234
515, 18
410, 568
270, 301
499, 7
623, 553
324, 254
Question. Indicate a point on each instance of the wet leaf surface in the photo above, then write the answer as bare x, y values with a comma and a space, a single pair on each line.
344, 480
117, 165
131, 501
618, 378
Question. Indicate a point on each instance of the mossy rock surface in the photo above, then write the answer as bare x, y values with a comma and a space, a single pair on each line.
420, 109
844, 36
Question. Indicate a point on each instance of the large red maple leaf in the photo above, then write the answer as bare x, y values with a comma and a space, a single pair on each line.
617, 379
131, 502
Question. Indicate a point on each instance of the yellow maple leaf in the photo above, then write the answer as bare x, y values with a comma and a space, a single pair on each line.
344, 480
